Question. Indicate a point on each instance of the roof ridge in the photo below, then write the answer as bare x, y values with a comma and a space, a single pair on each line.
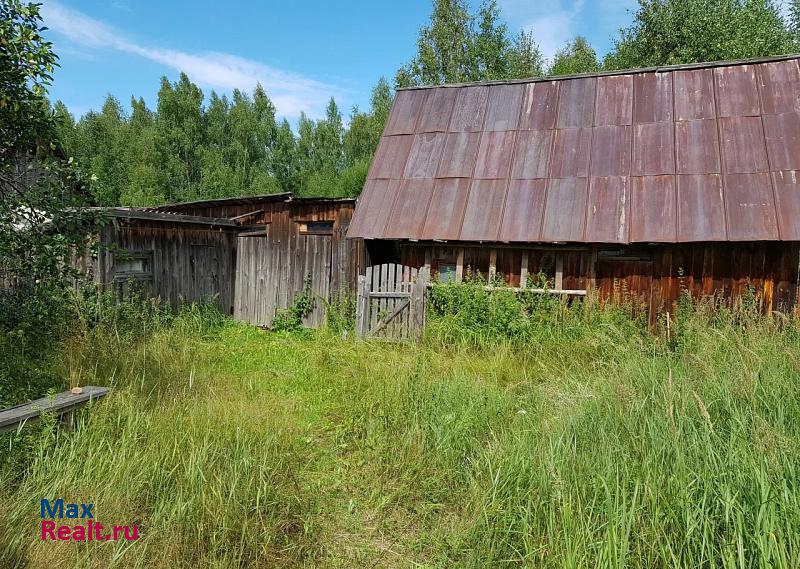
656, 69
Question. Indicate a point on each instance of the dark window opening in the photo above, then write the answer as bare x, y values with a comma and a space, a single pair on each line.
316, 227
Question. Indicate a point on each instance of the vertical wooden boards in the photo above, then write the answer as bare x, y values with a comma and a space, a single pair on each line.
390, 302
256, 295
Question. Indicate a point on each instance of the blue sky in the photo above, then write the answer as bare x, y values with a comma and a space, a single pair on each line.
302, 52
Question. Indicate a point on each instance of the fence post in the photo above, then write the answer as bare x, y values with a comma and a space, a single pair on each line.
418, 301
361, 305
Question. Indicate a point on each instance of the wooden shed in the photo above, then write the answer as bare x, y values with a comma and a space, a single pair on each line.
644, 182
251, 255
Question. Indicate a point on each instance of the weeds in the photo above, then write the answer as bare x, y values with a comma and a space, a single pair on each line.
543, 434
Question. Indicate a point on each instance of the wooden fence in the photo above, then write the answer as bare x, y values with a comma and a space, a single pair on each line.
391, 302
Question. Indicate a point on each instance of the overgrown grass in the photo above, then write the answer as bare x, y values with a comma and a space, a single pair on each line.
544, 436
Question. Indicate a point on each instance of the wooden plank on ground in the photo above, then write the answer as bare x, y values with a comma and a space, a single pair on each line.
59, 404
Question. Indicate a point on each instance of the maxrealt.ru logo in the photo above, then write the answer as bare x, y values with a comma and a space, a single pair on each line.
89, 530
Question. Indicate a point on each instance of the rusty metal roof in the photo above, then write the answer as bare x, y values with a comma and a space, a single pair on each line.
702, 152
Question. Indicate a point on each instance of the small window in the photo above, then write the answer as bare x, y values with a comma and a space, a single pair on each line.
447, 272
316, 227
133, 265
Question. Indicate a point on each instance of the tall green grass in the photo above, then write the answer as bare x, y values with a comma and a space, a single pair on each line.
542, 435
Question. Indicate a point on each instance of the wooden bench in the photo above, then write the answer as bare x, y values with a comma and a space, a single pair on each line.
63, 405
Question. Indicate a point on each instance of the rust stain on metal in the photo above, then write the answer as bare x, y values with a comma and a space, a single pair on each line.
652, 97
737, 91
743, 147
459, 155
787, 195
539, 106
423, 159
390, 158
405, 112
576, 102
782, 133
697, 147
570, 157
653, 209
409, 209
654, 149
614, 105
446, 210
701, 208
470, 108
608, 210
750, 207
370, 223
522, 216
694, 95
504, 105
565, 210
484, 210
494, 155
532, 154
611, 151
437, 111
780, 87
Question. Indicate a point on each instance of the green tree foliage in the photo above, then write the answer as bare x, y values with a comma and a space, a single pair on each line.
575, 57
458, 46
667, 32
43, 218
191, 147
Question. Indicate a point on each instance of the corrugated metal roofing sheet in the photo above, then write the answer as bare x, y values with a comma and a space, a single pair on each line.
701, 208
697, 147
608, 213
787, 195
697, 153
522, 215
654, 209
565, 210
539, 106
614, 105
484, 210
446, 210
694, 94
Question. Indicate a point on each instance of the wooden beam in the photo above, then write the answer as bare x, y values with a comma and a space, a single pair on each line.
559, 272
492, 264
564, 292
390, 294
123, 213
246, 215
592, 277
459, 265
523, 270
383, 323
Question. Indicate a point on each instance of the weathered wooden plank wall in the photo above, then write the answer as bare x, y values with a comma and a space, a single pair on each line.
185, 264
332, 262
252, 270
656, 274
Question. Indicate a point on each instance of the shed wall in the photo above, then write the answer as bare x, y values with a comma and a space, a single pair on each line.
653, 275
182, 264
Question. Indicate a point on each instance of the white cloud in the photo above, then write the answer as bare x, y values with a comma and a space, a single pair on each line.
552, 24
290, 92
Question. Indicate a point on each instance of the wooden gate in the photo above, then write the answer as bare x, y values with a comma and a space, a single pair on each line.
391, 302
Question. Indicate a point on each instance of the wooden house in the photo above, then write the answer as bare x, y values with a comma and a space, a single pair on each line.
250, 255
646, 182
